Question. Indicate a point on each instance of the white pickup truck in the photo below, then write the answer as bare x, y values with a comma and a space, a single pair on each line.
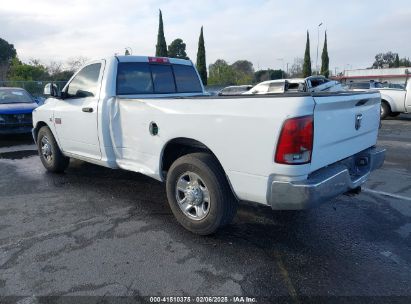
394, 101
151, 115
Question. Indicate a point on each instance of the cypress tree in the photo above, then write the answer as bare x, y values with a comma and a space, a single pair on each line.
307, 59
201, 59
161, 47
397, 61
325, 61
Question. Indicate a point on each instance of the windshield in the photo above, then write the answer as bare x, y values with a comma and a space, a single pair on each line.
8, 95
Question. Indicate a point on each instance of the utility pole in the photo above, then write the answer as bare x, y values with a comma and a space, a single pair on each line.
318, 43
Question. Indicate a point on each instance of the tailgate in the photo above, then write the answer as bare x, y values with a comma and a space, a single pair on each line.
344, 124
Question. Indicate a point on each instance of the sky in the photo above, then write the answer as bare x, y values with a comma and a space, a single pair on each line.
269, 33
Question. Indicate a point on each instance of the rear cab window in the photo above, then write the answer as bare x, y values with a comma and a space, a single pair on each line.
152, 78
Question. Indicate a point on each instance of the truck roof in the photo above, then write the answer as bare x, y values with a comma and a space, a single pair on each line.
130, 58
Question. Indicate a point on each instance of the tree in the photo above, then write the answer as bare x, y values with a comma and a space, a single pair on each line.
243, 66
307, 59
221, 73
57, 71
397, 61
177, 49
201, 58
7, 53
32, 71
161, 47
325, 61
243, 72
384, 60
75, 63
405, 62
54, 67
263, 75
296, 70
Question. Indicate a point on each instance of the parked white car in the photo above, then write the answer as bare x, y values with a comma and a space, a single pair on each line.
394, 101
234, 90
309, 84
151, 115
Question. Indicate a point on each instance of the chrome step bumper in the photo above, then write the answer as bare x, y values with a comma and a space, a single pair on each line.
326, 183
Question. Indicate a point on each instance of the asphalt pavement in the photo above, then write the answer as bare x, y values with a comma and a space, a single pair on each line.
105, 233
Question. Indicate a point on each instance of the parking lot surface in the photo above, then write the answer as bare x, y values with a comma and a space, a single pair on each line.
99, 232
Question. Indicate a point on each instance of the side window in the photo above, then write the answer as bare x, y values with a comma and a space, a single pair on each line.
85, 83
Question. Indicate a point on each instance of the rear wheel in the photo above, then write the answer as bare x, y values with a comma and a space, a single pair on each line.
50, 154
385, 110
199, 194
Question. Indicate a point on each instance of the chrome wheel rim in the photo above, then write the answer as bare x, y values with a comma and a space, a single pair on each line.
46, 150
192, 196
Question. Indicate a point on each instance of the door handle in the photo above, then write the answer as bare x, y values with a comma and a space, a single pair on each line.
87, 110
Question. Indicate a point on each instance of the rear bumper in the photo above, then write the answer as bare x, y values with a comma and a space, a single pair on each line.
326, 183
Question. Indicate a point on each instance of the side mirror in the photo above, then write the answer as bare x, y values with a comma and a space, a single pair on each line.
51, 89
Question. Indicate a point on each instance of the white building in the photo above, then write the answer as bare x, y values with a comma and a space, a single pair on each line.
393, 75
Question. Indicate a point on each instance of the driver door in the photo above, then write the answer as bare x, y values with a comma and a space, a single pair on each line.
75, 116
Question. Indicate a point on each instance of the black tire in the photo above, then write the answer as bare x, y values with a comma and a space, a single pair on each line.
57, 162
385, 110
222, 203
395, 114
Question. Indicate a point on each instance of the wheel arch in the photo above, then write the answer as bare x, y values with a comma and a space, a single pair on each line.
178, 147
389, 101
386, 102
36, 129
181, 146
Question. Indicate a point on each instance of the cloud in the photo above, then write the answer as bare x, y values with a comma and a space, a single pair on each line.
259, 31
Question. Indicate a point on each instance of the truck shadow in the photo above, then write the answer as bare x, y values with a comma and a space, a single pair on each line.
260, 224
402, 117
8, 140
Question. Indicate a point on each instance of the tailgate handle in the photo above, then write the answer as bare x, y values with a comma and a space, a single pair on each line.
362, 102
87, 110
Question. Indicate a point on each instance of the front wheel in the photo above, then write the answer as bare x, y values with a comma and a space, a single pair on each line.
51, 157
199, 194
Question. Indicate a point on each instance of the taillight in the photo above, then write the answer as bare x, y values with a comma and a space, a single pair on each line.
296, 141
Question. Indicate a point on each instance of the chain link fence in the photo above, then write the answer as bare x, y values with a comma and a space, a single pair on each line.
35, 88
